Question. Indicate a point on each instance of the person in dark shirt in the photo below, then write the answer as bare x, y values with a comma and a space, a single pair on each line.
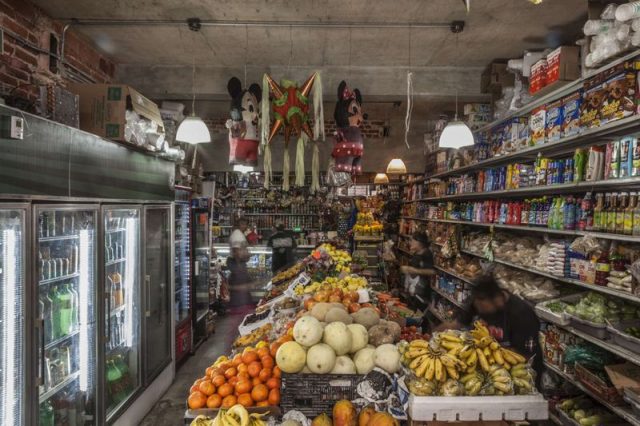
420, 269
283, 244
510, 320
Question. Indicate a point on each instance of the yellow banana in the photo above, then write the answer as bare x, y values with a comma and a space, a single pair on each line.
474, 389
481, 327
450, 345
450, 337
453, 373
519, 373
431, 369
454, 351
422, 368
467, 377
502, 387
519, 358
416, 352
501, 379
417, 361
486, 351
508, 356
497, 355
494, 346
472, 359
418, 343
466, 351
439, 371
522, 384
483, 360
448, 361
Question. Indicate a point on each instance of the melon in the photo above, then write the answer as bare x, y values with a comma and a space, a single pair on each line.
359, 337
319, 310
337, 314
363, 359
337, 335
291, 357
307, 331
387, 357
344, 365
321, 358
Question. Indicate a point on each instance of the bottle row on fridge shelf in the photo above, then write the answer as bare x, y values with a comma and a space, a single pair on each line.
585, 259
611, 212
615, 160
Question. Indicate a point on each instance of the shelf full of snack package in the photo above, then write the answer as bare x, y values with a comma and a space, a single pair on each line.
555, 211
322, 343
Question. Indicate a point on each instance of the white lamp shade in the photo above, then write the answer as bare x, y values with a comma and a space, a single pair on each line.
381, 179
396, 167
242, 169
193, 130
456, 135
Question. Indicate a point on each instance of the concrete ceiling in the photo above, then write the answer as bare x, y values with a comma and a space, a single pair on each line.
157, 59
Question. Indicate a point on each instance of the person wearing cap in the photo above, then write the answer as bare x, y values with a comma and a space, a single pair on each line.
282, 243
419, 270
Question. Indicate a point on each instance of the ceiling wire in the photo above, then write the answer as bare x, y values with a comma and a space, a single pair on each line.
246, 52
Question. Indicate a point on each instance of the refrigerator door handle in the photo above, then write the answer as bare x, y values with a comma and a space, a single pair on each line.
40, 327
147, 285
108, 331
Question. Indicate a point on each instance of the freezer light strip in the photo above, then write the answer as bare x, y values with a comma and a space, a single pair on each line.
84, 309
129, 278
9, 284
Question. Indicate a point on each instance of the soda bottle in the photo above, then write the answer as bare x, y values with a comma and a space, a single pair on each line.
65, 311
603, 266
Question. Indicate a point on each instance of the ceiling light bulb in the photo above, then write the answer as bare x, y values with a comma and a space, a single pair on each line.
396, 167
381, 179
193, 130
456, 135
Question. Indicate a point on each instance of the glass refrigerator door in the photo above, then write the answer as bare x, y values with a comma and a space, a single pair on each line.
157, 309
66, 285
12, 280
122, 304
182, 262
201, 265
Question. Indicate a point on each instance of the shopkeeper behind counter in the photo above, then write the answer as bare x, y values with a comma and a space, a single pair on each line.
419, 270
282, 243
510, 320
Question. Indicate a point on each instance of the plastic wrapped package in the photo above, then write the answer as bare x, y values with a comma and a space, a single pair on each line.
142, 132
609, 12
597, 26
626, 12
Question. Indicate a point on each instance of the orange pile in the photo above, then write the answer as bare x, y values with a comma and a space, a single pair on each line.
251, 379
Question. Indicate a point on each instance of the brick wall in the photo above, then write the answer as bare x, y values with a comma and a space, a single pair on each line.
370, 129
24, 62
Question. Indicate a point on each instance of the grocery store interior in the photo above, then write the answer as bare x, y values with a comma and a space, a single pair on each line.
320, 212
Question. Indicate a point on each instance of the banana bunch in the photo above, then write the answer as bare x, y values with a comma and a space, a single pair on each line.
421, 387
498, 381
430, 361
255, 336
472, 383
234, 416
488, 350
522, 379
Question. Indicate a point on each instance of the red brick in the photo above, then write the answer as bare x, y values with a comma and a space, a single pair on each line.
8, 80
24, 8
26, 56
19, 74
16, 27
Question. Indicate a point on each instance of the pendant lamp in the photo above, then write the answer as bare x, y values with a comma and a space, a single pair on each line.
396, 167
381, 179
192, 129
456, 133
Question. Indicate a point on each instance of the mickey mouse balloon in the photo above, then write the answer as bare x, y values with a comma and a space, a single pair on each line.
348, 148
244, 135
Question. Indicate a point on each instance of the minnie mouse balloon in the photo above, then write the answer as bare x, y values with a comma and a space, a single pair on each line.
244, 135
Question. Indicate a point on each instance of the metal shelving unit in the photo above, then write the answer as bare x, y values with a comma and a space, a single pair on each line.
448, 297
453, 274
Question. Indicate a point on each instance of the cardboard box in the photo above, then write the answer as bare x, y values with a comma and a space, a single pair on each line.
625, 375
593, 97
537, 125
537, 79
103, 108
553, 125
620, 93
571, 114
496, 76
563, 64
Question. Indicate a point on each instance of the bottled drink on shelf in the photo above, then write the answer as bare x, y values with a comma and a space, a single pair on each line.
598, 213
628, 214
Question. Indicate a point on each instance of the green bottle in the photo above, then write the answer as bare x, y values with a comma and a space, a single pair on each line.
47, 416
55, 312
65, 311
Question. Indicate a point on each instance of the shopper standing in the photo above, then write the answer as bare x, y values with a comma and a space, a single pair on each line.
420, 270
240, 281
282, 244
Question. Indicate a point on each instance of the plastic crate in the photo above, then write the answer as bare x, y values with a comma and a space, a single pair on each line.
314, 394
596, 385
620, 338
594, 329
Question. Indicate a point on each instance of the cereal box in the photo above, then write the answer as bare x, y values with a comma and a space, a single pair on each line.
620, 94
537, 122
592, 100
553, 125
571, 114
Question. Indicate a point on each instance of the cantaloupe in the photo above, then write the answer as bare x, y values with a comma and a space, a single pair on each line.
359, 337
337, 335
307, 331
321, 358
363, 359
387, 357
291, 357
344, 365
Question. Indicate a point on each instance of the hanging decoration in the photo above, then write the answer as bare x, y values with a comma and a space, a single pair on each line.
244, 123
349, 147
290, 105
407, 117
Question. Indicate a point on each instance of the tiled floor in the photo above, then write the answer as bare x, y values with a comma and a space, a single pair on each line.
169, 411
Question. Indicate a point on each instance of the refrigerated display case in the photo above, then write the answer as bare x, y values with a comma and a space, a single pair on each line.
258, 265
201, 283
182, 274
158, 319
122, 305
13, 239
66, 287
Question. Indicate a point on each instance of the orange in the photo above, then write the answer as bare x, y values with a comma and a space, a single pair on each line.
262, 404
267, 361
197, 400
225, 390
223, 366
273, 348
259, 393
274, 397
256, 381
265, 374
218, 380
232, 381
277, 372
273, 383
214, 401
207, 388
209, 371
254, 369
243, 386
262, 352
245, 400
229, 401
249, 356
237, 360
286, 338
242, 368
230, 372
243, 375
193, 388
